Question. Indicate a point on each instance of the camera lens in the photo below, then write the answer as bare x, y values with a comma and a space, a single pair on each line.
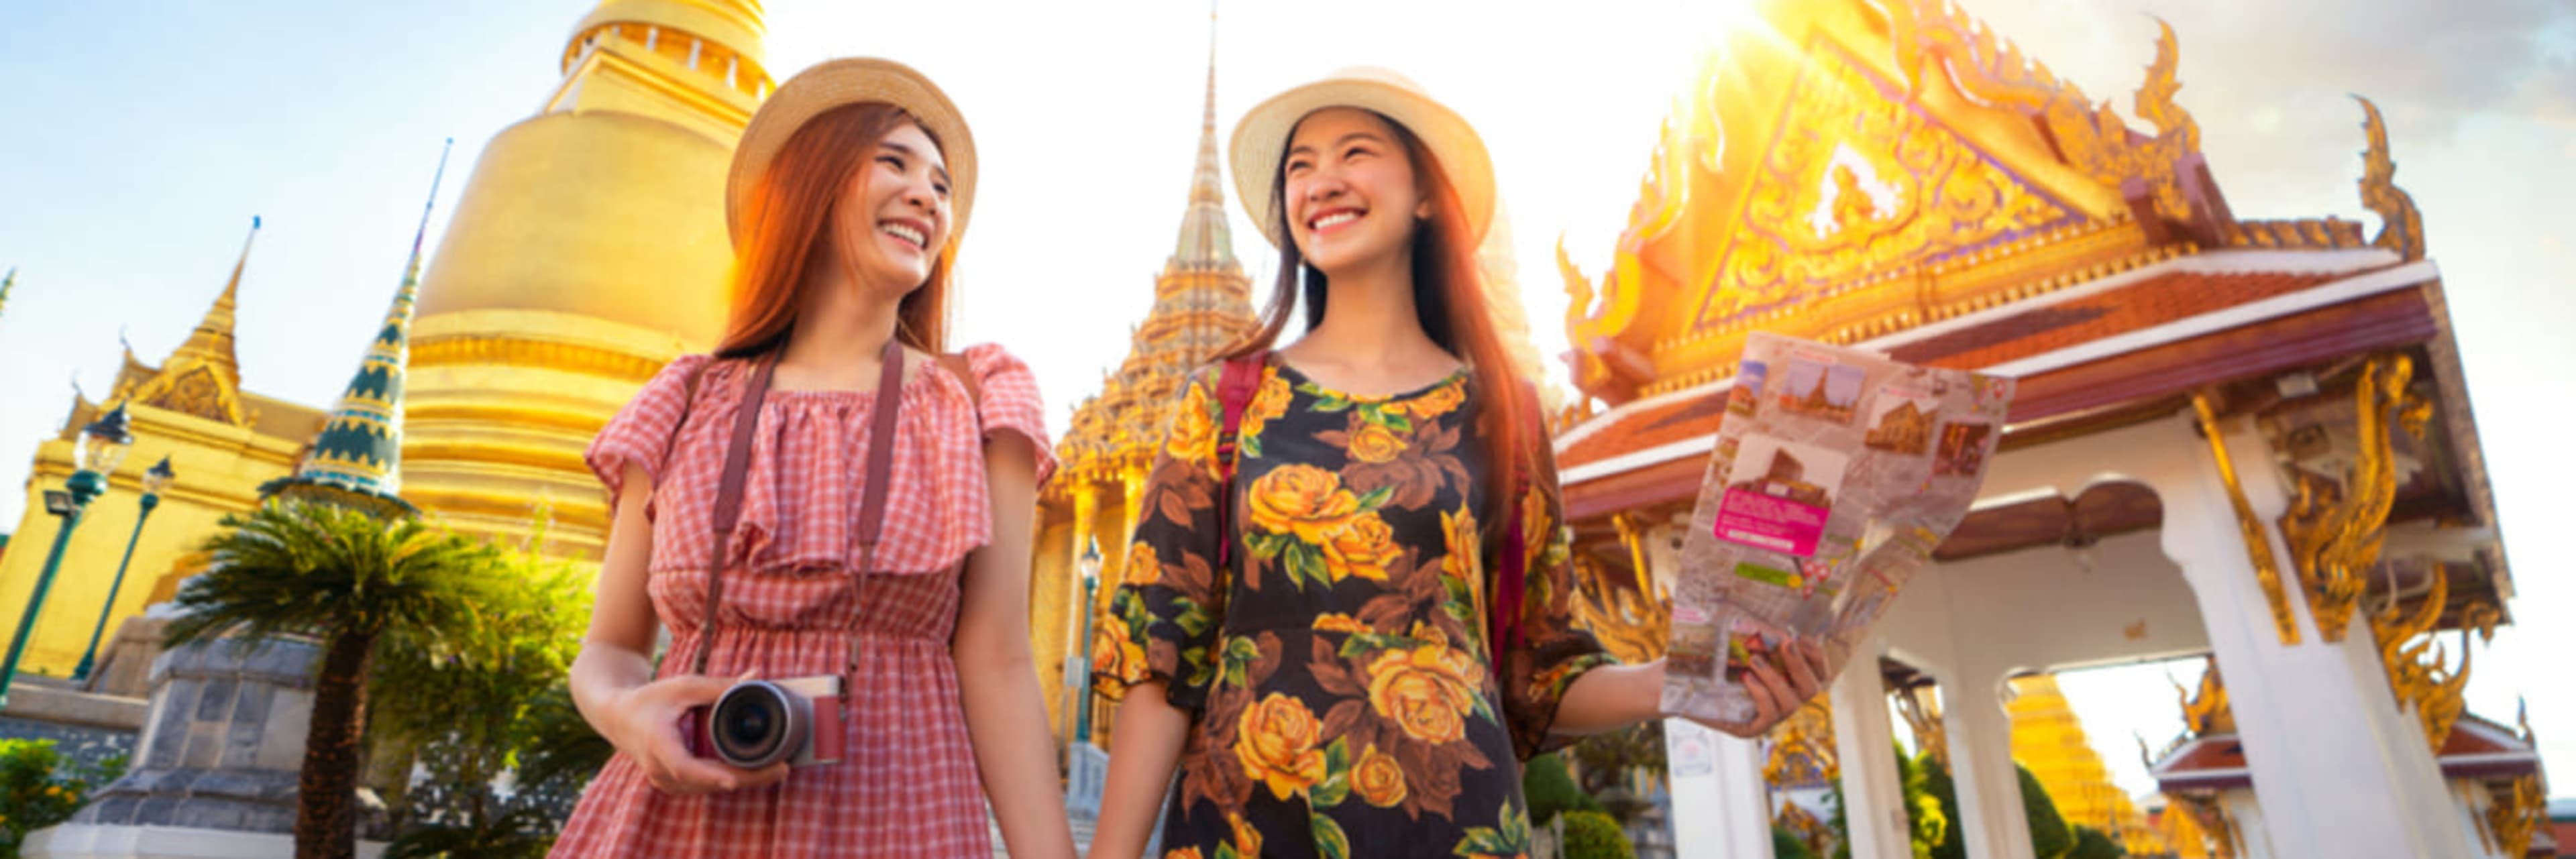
755, 724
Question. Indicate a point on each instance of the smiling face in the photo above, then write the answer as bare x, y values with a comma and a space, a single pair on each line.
893, 217
1353, 199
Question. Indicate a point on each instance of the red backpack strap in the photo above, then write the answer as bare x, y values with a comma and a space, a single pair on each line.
1511, 578
1236, 381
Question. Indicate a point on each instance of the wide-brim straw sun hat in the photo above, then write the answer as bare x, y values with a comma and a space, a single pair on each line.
852, 80
1261, 139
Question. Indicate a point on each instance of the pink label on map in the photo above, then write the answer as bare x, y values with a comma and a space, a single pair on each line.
1768, 522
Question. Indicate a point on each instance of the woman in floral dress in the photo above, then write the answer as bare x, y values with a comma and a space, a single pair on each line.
848, 190
1316, 662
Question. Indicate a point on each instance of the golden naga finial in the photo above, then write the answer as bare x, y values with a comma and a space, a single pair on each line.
2335, 528
2155, 99
2419, 670
2401, 227
1578, 288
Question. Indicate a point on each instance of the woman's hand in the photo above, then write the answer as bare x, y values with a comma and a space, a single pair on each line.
1776, 696
645, 724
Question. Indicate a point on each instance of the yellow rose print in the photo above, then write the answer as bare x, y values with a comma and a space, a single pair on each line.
1143, 567
1428, 691
1362, 548
1269, 402
1376, 443
1183, 853
1276, 743
1378, 779
1247, 839
1114, 647
1439, 401
1191, 437
1300, 499
1338, 622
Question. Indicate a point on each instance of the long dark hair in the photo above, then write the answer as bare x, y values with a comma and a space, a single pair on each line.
1449, 302
790, 205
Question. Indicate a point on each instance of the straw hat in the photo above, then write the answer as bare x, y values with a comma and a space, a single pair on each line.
1262, 137
853, 80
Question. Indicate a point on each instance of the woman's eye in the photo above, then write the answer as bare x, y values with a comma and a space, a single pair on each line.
893, 161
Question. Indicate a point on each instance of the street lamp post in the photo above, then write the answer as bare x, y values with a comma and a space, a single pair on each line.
1077, 662
102, 445
154, 481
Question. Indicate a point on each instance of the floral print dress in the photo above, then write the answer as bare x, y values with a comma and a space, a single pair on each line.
1345, 701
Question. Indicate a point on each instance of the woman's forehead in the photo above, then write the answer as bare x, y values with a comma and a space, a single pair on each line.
1334, 122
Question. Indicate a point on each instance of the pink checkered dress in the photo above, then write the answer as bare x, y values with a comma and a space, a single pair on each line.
909, 786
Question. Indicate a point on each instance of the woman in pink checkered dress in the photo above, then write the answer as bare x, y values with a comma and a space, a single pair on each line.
847, 192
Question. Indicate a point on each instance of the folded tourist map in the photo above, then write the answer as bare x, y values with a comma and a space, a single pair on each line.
1836, 473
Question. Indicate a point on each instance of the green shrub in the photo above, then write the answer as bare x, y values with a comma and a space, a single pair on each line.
1594, 835
2090, 843
1785, 845
1551, 790
40, 788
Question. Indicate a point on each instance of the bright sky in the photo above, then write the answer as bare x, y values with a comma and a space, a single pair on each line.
141, 137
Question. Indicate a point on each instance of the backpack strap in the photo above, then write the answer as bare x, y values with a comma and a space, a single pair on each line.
1236, 381
728, 508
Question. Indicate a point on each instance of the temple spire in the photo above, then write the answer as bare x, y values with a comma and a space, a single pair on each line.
1205, 241
211, 344
356, 461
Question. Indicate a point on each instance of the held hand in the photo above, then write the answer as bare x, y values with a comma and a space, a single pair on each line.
647, 729
1775, 696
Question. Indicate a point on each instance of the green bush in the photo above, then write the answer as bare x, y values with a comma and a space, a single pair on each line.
1551, 790
40, 788
1785, 845
1594, 835
2090, 843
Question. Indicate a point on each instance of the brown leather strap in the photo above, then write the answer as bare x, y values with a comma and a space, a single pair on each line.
728, 509
872, 497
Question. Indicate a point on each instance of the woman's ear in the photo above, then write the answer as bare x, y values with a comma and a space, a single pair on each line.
1422, 212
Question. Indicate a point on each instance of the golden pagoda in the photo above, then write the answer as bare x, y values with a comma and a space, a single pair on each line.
1202, 303
223, 442
2049, 740
587, 251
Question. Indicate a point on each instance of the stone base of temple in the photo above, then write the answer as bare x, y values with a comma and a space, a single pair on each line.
94, 841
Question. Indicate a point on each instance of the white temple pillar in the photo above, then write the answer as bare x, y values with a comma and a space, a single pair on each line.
1721, 805
1991, 821
1865, 750
2338, 771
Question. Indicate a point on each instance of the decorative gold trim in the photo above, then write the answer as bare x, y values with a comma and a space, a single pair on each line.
452, 350
2258, 546
2334, 530
2206, 712
2401, 226
2419, 674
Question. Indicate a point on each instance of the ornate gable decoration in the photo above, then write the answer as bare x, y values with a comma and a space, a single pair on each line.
1936, 36
1859, 180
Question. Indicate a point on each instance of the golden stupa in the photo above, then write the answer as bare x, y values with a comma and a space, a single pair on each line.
587, 251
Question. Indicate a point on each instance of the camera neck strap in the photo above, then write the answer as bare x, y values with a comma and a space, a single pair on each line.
737, 464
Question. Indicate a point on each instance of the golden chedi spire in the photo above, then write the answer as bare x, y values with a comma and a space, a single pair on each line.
2048, 739
587, 250
1202, 303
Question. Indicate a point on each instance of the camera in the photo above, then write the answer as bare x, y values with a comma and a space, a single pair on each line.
761, 722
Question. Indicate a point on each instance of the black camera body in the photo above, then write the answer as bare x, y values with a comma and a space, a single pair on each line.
798, 721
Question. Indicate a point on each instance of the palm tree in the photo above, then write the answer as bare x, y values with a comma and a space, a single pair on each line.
356, 583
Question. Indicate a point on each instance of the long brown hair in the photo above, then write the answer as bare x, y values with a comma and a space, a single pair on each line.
1448, 301
784, 218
